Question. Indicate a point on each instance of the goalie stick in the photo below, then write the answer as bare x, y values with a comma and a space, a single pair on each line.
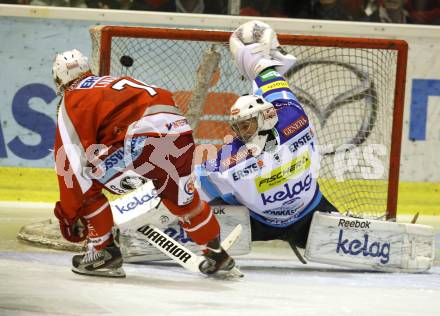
179, 253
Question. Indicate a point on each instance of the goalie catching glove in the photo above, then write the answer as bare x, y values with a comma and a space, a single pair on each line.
255, 47
72, 230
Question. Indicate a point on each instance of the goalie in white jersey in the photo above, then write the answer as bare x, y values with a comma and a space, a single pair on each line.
271, 165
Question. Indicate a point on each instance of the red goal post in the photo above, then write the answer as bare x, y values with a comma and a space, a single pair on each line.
352, 89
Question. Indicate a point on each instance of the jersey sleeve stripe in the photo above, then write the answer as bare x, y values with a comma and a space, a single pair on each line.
197, 227
74, 150
162, 108
161, 124
272, 86
281, 95
99, 210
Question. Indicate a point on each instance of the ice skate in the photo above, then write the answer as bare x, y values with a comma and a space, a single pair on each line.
217, 261
106, 262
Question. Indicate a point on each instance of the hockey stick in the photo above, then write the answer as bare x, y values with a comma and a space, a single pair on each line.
177, 252
415, 218
232, 237
205, 73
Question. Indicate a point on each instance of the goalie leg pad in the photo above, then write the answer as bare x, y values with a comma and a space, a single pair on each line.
370, 244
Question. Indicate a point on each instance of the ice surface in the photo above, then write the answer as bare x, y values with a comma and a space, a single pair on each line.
38, 281
42, 284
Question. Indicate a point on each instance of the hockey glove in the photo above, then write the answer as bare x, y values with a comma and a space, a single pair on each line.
72, 230
254, 47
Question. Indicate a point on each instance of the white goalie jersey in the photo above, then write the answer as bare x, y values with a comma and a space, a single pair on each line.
278, 185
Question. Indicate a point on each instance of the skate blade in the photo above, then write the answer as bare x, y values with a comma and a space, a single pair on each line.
106, 273
234, 273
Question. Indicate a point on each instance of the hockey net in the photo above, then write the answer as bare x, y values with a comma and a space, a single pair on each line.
351, 88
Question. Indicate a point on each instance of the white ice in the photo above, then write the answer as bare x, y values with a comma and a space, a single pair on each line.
42, 284
37, 281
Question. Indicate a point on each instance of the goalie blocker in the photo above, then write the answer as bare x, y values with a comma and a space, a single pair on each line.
370, 244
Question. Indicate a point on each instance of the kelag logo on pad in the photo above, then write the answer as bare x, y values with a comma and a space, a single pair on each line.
363, 247
136, 202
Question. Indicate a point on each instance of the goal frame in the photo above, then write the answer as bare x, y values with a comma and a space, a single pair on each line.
400, 46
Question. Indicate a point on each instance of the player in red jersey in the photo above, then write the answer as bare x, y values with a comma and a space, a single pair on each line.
114, 134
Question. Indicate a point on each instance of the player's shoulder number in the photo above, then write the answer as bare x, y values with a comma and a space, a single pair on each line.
123, 83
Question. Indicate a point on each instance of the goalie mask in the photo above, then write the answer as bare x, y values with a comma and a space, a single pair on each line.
67, 67
251, 115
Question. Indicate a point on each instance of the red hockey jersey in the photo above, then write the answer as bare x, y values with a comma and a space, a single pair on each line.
101, 111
